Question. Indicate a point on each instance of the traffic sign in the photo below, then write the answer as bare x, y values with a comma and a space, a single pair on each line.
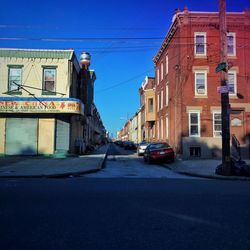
221, 67
223, 89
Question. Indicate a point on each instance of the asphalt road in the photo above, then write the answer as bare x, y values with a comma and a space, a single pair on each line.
124, 213
123, 163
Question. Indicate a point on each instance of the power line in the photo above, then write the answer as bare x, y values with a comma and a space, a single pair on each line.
18, 26
123, 82
83, 39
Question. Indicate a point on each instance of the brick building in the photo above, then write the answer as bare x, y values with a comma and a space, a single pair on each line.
188, 109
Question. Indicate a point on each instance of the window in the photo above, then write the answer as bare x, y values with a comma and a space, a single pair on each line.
217, 124
194, 123
232, 82
158, 102
167, 127
166, 64
158, 76
201, 82
167, 94
200, 43
161, 99
150, 105
231, 48
195, 151
158, 130
161, 128
161, 70
49, 79
15, 77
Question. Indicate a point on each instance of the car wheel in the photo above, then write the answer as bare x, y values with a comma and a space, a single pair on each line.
149, 160
172, 159
144, 158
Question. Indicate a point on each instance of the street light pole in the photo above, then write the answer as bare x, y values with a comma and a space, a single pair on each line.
225, 106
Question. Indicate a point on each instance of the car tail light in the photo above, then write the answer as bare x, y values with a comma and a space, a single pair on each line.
169, 150
155, 152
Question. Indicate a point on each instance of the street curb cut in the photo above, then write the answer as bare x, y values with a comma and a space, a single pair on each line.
64, 175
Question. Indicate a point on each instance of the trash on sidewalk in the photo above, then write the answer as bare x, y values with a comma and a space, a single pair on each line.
238, 168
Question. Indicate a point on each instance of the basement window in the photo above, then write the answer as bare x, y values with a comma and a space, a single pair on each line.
195, 151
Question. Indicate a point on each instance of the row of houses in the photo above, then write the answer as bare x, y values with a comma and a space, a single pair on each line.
181, 103
47, 103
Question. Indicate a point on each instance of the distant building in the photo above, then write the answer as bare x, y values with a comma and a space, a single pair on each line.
139, 126
148, 109
134, 128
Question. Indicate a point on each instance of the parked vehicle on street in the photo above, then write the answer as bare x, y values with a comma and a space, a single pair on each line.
141, 148
118, 143
159, 152
129, 145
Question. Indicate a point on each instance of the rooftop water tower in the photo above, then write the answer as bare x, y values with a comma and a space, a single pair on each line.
85, 59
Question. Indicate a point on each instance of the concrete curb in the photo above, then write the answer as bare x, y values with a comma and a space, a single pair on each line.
207, 176
64, 175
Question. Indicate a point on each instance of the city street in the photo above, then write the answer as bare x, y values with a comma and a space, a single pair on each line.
86, 87
126, 164
122, 207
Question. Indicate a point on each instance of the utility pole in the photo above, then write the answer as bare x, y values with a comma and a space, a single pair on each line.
225, 106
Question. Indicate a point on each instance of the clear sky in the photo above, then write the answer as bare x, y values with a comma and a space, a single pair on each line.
109, 30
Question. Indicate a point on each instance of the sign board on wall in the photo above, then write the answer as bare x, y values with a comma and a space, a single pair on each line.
67, 106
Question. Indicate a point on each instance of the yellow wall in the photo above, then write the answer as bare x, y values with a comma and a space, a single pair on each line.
46, 136
32, 74
139, 132
150, 116
2, 135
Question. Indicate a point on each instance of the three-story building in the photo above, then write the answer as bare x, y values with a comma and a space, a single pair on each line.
188, 104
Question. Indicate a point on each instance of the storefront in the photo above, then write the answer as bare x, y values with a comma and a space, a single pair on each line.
43, 126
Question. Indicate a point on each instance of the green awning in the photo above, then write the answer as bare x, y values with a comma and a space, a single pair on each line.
32, 53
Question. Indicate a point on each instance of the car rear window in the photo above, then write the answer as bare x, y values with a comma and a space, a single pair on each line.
159, 145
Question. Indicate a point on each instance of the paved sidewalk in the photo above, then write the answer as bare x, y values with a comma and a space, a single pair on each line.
52, 167
201, 168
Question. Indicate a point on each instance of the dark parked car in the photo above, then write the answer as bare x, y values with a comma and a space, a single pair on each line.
129, 145
118, 143
159, 152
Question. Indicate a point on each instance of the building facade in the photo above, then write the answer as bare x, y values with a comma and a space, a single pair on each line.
41, 111
134, 128
148, 109
188, 104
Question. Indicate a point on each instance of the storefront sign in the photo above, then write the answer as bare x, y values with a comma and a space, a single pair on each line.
67, 106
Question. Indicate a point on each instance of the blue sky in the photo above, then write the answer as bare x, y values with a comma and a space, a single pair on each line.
120, 64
